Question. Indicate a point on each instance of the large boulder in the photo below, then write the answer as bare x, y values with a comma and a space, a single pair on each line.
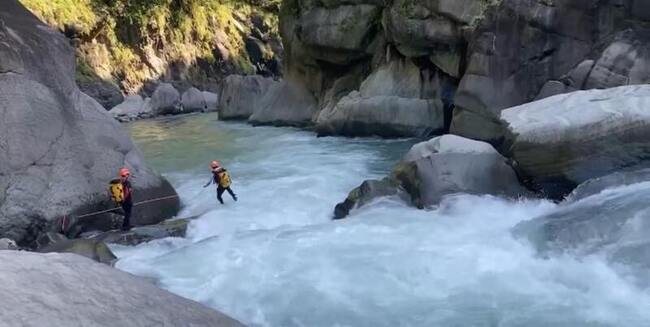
451, 164
133, 108
193, 100
387, 116
562, 141
106, 93
166, 100
625, 61
58, 147
440, 167
286, 103
522, 45
70, 290
240, 96
393, 101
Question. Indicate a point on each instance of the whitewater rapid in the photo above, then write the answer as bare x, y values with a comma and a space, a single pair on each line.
276, 259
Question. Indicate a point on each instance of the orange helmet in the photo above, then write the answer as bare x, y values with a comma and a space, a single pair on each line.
124, 172
215, 164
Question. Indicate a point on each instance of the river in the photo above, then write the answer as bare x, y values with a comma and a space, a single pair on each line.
275, 257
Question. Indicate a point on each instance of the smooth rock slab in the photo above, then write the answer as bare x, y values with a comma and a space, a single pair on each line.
562, 141
386, 116
70, 290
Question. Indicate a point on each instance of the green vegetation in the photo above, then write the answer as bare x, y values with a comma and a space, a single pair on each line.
132, 41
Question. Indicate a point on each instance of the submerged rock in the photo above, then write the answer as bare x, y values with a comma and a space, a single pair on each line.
608, 215
58, 147
69, 290
442, 166
364, 194
562, 141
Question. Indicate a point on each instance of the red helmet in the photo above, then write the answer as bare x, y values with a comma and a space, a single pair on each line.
215, 164
124, 172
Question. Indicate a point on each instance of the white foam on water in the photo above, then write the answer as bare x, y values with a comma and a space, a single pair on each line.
275, 259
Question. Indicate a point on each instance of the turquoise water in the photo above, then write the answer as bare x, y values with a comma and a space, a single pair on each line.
276, 259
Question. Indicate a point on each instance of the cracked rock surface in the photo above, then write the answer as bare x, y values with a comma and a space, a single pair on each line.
58, 147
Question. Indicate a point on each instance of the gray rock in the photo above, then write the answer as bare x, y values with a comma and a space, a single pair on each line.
193, 101
551, 88
437, 168
600, 184
133, 107
390, 103
626, 61
7, 244
137, 235
239, 96
166, 100
612, 223
91, 249
211, 101
49, 238
58, 147
400, 78
286, 103
364, 194
344, 28
416, 31
387, 116
463, 11
85, 293
521, 45
578, 76
562, 141
451, 164
641, 9
106, 93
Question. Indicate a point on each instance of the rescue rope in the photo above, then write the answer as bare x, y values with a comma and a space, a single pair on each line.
63, 221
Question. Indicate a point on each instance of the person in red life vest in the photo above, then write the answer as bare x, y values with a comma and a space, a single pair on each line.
221, 177
127, 196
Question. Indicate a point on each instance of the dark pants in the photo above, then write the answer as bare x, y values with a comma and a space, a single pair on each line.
220, 191
127, 207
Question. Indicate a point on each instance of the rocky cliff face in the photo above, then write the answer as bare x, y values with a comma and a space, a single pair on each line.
58, 147
364, 57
